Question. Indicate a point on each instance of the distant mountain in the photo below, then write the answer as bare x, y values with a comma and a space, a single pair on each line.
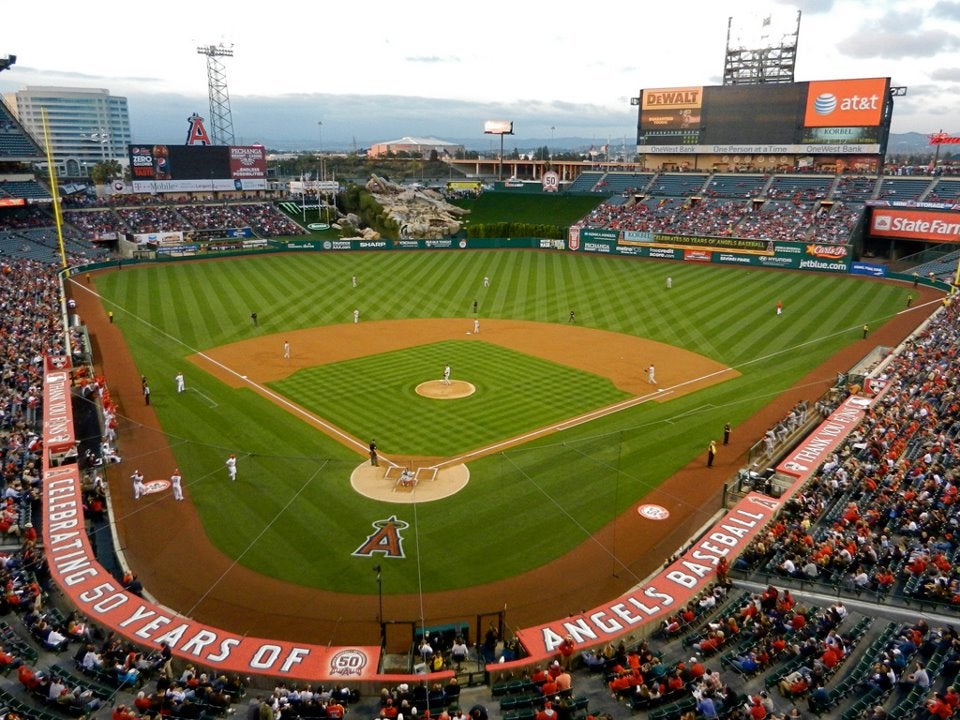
911, 143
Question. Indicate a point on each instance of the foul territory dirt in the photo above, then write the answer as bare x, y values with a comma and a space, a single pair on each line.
165, 544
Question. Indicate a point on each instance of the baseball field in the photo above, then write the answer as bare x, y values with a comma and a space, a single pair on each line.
561, 435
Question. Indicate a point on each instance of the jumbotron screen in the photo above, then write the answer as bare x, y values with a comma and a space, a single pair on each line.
197, 168
817, 117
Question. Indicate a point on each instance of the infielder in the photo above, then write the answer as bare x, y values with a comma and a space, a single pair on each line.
286, 350
356, 316
181, 385
446, 375
232, 467
175, 481
476, 327
651, 375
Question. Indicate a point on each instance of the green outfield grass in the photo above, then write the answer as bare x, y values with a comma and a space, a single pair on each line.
293, 505
341, 393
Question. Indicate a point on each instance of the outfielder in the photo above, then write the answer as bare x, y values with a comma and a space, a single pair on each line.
232, 467
181, 385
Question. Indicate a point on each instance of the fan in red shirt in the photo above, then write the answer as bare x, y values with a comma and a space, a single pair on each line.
757, 710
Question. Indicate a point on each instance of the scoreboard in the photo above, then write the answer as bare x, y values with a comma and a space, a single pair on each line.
818, 117
197, 168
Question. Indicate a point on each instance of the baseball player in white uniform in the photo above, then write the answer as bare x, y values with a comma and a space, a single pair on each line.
138, 486
232, 467
446, 375
176, 482
181, 385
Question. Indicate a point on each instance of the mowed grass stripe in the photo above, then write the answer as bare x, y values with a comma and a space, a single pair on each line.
516, 393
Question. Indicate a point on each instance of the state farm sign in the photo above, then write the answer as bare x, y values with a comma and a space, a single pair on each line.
917, 225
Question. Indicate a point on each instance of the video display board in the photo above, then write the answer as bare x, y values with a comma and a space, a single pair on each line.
818, 117
197, 168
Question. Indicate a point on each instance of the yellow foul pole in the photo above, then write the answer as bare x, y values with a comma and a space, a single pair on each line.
55, 190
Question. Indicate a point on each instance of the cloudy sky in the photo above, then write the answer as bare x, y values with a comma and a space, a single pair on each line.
354, 73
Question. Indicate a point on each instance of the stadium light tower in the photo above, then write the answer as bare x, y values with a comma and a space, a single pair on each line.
763, 50
221, 119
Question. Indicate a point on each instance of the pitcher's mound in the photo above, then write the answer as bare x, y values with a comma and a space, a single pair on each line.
390, 484
437, 390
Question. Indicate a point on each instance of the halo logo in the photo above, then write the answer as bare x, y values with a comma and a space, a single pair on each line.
825, 104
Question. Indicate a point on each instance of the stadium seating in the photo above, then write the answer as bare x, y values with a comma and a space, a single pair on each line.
678, 184
623, 182
854, 188
736, 186
800, 187
946, 190
29, 189
585, 182
904, 188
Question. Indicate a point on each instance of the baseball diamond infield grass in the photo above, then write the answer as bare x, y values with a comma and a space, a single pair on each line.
293, 515
542, 393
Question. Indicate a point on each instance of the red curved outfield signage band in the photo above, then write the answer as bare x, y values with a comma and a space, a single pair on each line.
672, 588
96, 593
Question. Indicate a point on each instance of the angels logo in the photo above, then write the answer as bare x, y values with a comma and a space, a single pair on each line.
573, 243
386, 539
197, 134
155, 486
348, 662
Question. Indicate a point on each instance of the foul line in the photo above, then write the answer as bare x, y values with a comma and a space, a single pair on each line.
578, 420
210, 401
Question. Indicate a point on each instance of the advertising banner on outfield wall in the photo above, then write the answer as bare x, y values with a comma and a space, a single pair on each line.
750, 252
936, 227
97, 594
871, 269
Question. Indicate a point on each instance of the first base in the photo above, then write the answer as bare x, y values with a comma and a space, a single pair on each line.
468, 332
